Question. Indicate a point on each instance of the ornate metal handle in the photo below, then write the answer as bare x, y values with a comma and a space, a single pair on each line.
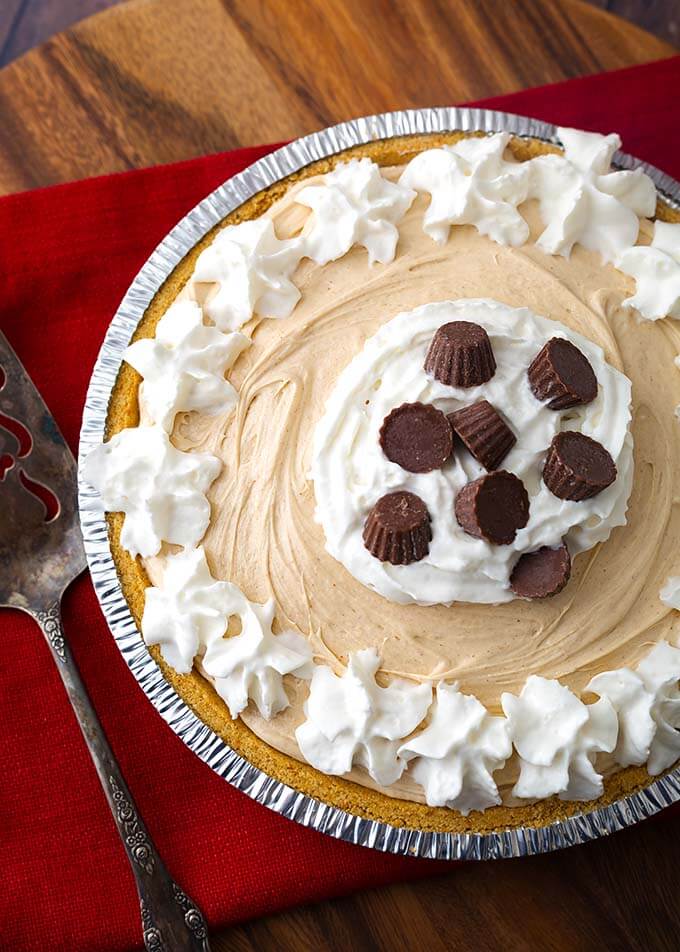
171, 921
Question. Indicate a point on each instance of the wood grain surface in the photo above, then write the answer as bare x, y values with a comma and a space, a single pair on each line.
611, 895
154, 81
26, 23
158, 80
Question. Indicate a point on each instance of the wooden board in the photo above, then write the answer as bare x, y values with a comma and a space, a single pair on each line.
160, 80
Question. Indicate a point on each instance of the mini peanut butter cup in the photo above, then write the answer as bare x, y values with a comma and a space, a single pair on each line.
460, 355
417, 436
561, 376
493, 507
577, 467
542, 573
397, 529
483, 431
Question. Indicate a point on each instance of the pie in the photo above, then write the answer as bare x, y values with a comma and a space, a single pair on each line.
391, 475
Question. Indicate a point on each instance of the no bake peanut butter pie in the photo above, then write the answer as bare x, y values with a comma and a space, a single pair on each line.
392, 469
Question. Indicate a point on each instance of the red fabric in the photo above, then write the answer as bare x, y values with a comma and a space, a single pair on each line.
67, 255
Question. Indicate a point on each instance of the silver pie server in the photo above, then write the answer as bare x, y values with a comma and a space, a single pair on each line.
41, 553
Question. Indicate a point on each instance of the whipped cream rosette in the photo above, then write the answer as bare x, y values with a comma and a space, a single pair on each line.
250, 270
656, 269
189, 616
647, 702
354, 205
183, 367
161, 490
352, 719
583, 201
557, 737
455, 757
471, 183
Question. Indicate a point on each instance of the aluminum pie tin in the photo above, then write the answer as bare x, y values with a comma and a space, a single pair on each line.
212, 750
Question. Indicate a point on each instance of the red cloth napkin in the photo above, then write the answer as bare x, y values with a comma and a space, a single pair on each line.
67, 255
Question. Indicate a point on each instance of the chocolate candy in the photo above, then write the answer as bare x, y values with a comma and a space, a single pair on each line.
562, 376
485, 434
493, 507
460, 355
577, 467
397, 529
542, 573
417, 436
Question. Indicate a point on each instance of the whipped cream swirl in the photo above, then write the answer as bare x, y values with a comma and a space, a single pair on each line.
184, 365
352, 720
656, 269
354, 205
582, 200
647, 702
351, 472
455, 757
251, 268
186, 612
161, 490
188, 617
472, 184
557, 737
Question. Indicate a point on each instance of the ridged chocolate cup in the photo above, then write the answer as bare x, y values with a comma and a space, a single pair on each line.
397, 529
493, 507
541, 574
460, 355
561, 376
577, 467
484, 433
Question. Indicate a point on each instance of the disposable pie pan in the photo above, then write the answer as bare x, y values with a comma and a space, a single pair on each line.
277, 781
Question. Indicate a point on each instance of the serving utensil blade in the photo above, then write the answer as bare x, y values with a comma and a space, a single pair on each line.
41, 547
